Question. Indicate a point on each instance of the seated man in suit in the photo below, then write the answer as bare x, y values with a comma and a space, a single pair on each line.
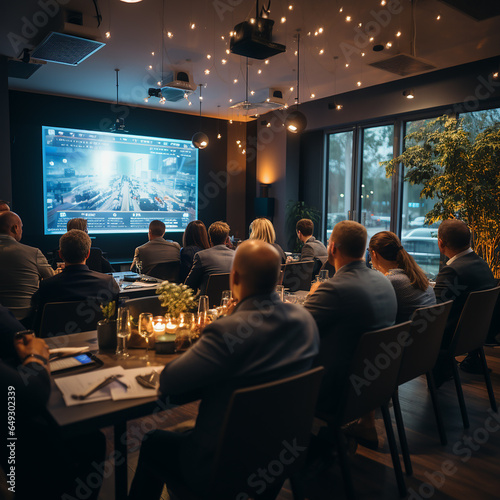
279, 340
95, 262
355, 301
39, 450
215, 260
157, 250
312, 249
76, 281
21, 267
463, 273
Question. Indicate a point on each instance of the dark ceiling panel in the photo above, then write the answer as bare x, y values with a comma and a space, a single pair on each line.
477, 9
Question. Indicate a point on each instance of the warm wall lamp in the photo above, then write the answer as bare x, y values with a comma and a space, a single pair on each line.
409, 94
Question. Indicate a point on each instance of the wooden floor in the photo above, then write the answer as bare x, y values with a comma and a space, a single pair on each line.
468, 468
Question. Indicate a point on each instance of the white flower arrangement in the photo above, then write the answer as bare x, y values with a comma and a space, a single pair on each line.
176, 298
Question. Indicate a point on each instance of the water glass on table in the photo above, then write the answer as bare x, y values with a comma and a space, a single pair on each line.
323, 275
146, 331
123, 331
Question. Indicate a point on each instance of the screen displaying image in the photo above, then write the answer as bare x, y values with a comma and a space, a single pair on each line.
118, 182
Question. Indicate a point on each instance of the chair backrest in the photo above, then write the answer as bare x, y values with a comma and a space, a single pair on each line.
474, 323
298, 275
318, 264
145, 304
64, 318
265, 426
373, 375
216, 284
166, 271
422, 347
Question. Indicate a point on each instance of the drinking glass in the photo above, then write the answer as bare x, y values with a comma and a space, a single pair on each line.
123, 331
146, 331
226, 294
280, 290
323, 275
138, 266
203, 308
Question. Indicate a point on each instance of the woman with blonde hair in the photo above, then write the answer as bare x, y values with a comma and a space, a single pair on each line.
409, 281
263, 229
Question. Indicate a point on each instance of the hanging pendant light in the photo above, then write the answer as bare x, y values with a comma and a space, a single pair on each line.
296, 121
200, 139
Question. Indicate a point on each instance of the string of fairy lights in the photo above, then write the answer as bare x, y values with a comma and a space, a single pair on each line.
221, 68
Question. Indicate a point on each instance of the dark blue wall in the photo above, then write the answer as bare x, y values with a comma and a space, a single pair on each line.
29, 111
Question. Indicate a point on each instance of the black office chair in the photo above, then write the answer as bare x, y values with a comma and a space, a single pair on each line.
166, 271
298, 275
318, 264
64, 318
257, 423
216, 284
359, 396
470, 335
419, 357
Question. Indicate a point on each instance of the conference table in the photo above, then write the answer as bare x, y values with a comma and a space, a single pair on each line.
84, 418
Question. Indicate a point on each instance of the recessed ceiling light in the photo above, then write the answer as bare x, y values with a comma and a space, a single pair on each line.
438, 17
235, 80
320, 30
398, 33
223, 61
283, 20
409, 94
170, 34
266, 61
193, 26
108, 34
290, 7
358, 84
313, 96
259, 72
207, 72
348, 19
209, 56
321, 51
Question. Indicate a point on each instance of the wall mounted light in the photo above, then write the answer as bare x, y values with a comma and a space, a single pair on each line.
409, 94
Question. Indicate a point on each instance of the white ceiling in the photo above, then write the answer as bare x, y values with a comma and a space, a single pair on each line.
136, 32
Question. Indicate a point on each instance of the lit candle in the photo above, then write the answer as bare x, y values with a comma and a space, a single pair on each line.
159, 325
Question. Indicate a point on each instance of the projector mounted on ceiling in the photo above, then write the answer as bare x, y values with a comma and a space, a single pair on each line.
176, 85
254, 38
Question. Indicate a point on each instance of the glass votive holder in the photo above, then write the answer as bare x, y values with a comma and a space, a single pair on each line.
159, 325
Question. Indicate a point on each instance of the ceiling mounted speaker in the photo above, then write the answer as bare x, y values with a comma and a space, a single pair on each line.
66, 49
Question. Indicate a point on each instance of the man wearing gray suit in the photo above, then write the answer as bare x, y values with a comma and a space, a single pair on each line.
215, 260
22, 267
157, 250
355, 301
312, 247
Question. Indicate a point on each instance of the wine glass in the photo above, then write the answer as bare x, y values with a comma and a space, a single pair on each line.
226, 294
146, 331
123, 331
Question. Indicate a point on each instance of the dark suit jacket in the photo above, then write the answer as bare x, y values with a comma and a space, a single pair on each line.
355, 301
468, 273
264, 339
215, 260
187, 257
155, 252
313, 248
76, 282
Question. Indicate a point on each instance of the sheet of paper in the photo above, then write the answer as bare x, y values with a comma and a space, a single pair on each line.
79, 384
68, 351
136, 390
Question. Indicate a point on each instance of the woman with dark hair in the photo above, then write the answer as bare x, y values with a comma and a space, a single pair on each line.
409, 281
195, 238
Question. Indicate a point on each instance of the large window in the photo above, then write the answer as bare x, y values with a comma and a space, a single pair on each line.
419, 239
477, 121
339, 178
375, 186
